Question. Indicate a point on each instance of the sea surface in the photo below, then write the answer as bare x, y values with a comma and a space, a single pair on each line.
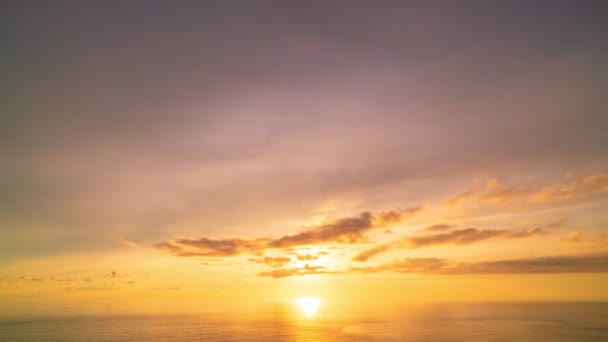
287, 322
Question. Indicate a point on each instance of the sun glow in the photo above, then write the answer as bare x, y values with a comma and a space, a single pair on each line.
309, 305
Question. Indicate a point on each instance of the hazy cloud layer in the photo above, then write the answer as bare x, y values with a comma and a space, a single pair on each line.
126, 120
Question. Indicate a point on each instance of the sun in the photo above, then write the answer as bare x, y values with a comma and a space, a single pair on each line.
309, 305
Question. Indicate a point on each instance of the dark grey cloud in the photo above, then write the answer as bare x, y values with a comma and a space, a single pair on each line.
204, 247
348, 230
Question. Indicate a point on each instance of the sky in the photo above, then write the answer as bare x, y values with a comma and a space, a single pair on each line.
153, 151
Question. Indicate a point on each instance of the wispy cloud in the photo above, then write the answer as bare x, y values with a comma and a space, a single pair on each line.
370, 253
553, 264
296, 271
492, 191
273, 261
310, 256
577, 187
205, 247
465, 237
495, 192
580, 236
455, 237
408, 265
439, 227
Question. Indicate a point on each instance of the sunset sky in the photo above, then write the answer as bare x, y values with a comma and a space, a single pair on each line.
165, 153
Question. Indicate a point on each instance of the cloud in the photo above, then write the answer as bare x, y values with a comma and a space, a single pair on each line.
130, 243
347, 230
439, 227
467, 236
456, 200
408, 265
273, 261
369, 253
575, 236
455, 237
495, 192
310, 256
205, 247
578, 187
492, 192
553, 264
579, 236
29, 278
498, 193
390, 217
115, 274
289, 272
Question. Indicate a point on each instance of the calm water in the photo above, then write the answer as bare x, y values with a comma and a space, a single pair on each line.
431, 322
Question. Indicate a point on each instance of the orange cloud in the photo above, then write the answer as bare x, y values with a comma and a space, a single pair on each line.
579, 187
408, 265
495, 192
273, 262
492, 192
289, 272
498, 193
439, 227
370, 253
579, 236
576, 236
467, 236
310, 257
211, 248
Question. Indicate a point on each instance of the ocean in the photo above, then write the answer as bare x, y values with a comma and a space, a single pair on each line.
312, 321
